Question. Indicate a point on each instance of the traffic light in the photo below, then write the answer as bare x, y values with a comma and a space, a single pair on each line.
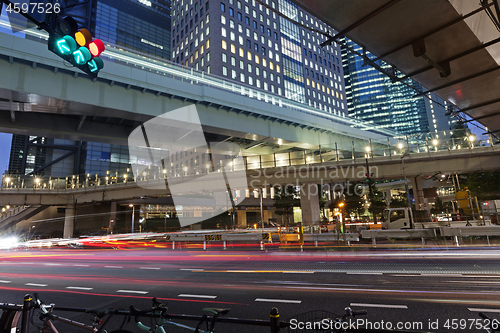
367, 175
76, 46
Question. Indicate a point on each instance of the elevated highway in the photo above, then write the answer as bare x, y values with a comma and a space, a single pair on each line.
40, 95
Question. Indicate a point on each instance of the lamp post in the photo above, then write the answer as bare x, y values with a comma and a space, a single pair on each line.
133, 213
341, 220
406, 187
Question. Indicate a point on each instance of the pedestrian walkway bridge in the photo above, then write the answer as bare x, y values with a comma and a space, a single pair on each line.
319, 167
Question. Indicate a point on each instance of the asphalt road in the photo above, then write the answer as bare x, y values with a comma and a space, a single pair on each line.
440, 291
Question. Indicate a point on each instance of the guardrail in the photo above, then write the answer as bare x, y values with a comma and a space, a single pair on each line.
399, 234
471, 231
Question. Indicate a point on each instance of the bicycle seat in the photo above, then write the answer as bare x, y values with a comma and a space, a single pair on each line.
217, 312
99, 312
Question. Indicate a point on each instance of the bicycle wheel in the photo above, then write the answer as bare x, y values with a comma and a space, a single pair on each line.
317, 321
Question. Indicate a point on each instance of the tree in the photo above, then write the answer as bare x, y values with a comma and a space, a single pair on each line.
285, 199
352, 199
377, 205
398, 201
484, 185
439, 206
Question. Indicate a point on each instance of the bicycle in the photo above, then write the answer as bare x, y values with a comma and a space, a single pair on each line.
47, 316
17, 318
159, 311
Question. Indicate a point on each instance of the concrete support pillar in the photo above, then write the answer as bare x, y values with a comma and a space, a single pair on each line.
112, 217
309, 202
69, 221
418, 192
242, 218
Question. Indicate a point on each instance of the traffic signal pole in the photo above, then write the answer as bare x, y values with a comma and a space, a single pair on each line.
65, 40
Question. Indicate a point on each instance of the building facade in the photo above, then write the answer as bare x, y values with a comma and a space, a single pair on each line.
137, 25
248, 42
374, 98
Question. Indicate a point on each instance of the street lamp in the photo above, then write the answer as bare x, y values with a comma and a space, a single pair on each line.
341, 220
406, 186
133, 213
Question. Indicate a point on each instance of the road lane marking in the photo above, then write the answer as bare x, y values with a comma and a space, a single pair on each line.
483, 310
149, 267
192, 269
364, 273
299, 272
113, 266
36, 284
196, 296
52, 264
291, 301
4, 281
81, 265
132, 291
440, 274
80, 288
239, 271
388, 306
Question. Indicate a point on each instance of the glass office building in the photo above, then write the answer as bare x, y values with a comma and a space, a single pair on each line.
373, 97
137, 25
140, 25
247, 42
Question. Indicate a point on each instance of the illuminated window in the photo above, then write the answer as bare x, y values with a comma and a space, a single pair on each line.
242, 64
249, 55
224, 70
196, 54
223, 32
224, 45
202, 49
233, 48
278, 68
271, 66
308, 82
264, 62
257, 59
242, 77
249, 68
242, 53
222, 19
224, 57
233, 74
233, 61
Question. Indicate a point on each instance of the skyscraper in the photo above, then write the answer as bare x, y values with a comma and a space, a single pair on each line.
374, 98
138, 25
249, 42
